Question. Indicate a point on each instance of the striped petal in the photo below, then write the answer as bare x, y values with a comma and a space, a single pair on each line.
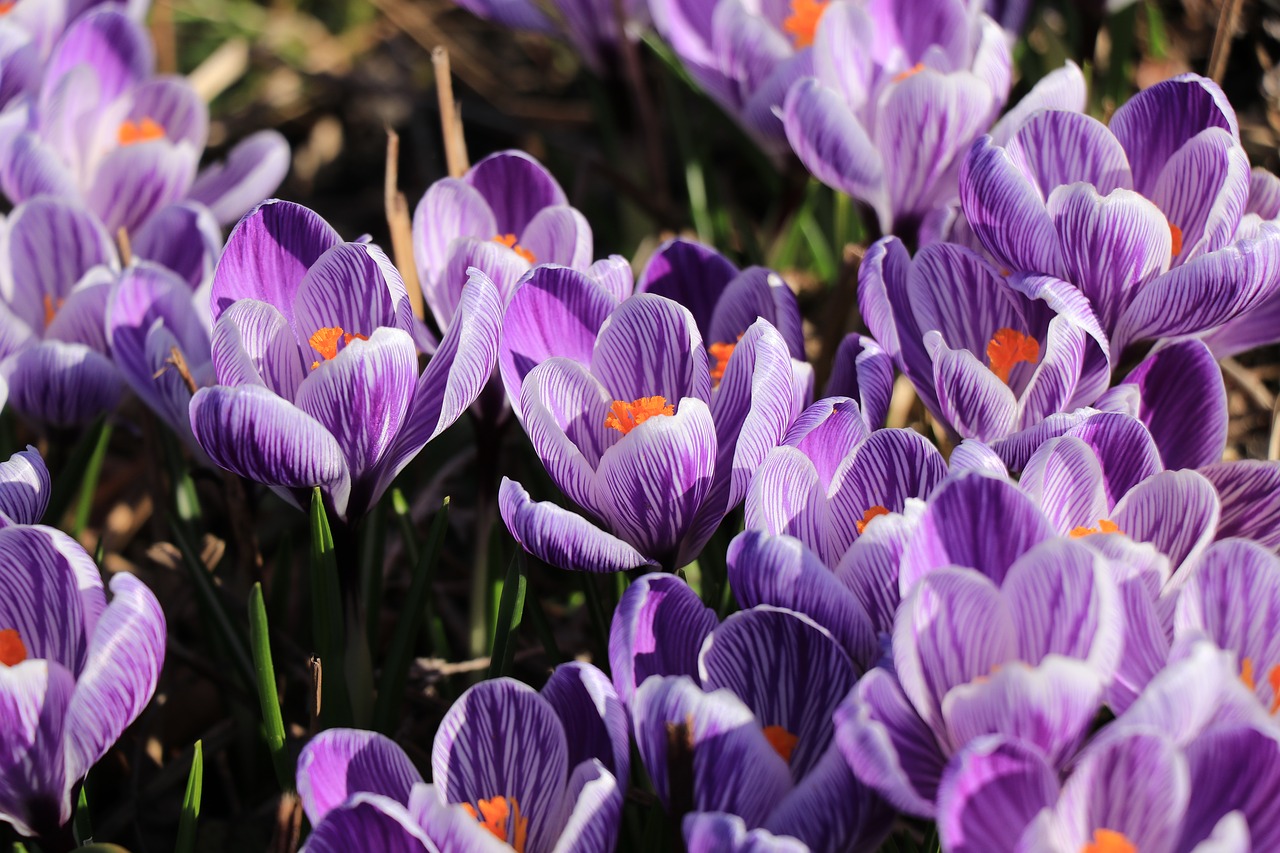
252, 344
658, 629
588, 706
592, 811
337, 764
369, 821
252, 171
650, 346
33, 785
62, 384
1249, 494
1176, 511
990, 793
693, 274
516, 186
24, 487
562, 538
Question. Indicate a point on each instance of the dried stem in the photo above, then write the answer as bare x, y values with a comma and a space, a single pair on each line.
122, 243
1228, 20
455, 144
401, 225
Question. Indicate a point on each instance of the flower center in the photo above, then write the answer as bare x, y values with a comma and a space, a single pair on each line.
1175, 235
872, 512
132, 132
782, 741
12, 650
329, 340
6, 8
802, 23
501, 816
1109, 841
51, 308
624, 416
1007, 348
1104, 526
721, 352
1246, 675
910, 72
509, 240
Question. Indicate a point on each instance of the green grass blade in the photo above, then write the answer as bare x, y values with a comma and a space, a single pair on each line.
510, 614
268, 696
191, 803
211, 606
326, 617
395, 669
68, 481
81, 825
89, 483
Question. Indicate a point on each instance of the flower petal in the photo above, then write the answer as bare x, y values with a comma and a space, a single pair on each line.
1249, 492
372, 821
693, 274
252, 171
33, 785
864, 371
62, 384
991, 792
559, 235
1180, 384
24, 487
658, 629
588, 706
338, 764
1176, 511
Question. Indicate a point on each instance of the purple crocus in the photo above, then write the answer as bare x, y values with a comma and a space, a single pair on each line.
1188, 769
1139, 217
558, 311
592, 26
75, 670
1003, 360
832, 475
736, 717
317, 367
102, 129
1002, 629
637, 435
506, 214
511, 768
898, 92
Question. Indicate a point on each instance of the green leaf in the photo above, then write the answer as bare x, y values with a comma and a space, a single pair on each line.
191, 803
211, 605
89, 483
268, 695
71, 477
395, 669
510, 613
326, 618
81, 825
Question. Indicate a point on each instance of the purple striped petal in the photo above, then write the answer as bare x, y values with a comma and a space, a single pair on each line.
991, 792
449, 826
1054, 148
971, 399
556, 311
559, 235
33, 784
1061, 89
614, 275
134, 181
658, 629
121, 670
790, 671
501, 739
870, 567
717, 832
1176, 511
1249, 493
887, 744
369, 821
353, 286
864, 371
1234, 770
1065, 478
592, 812
268, 254
1006, 210
834, 145
449, 210
1180, 384
62, 384
1124, 448
650, 346
50, 607
830, 810
732, 768
827, 432
1203, 190
691, 273
757, 293
252, 344
251, 172
251, 432
24, 487
588, 706
517, 187
183, 237
337, 764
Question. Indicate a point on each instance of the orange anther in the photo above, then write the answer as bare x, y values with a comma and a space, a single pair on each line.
12, 650
1109, 841
503, 819
1175, 235
871, 512
145, 130
51, 308
325, 341
782, 741
7, 7
1007, 348
802, 23
1273, 679
624, 416
509, 240
910, 72
1104, 526
721, 352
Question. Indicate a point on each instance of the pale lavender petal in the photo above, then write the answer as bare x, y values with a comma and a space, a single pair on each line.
24, 487
337, 764
252, 171
516, 186
990, 793
864, 371
61, 384
33, 785
559, 235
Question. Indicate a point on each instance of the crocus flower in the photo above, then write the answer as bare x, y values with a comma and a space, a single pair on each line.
57, 266
744, 54
540, 771
831, 476
1002, 629
105, 131
898, 92
1139, 217
1258, 327
559, 312
736, 717
592, 26
317, 367
1186, 770
506, 214
642, 442
75, 670
1001, 360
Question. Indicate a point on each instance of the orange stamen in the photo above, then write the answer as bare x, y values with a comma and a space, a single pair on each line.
6, 8
782, 741
721, 352
509, 240
325, 341
51, 308
1109, 841
872, 512
132, 132
910, 72
624, 416
1175, 234
802, 23
1273, 679
1007, 348
1246, 674
12, 650
502, 820
1104, 526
